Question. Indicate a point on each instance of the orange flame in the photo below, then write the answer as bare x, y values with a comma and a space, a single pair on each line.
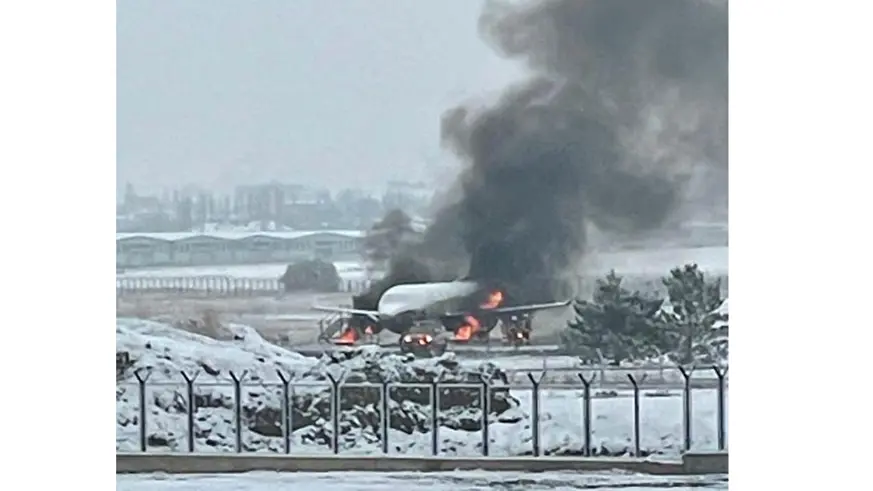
349, 336
494, 300
466, 331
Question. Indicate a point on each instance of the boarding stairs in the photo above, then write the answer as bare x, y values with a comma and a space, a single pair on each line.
330, 326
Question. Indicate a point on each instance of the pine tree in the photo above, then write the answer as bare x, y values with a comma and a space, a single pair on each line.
695, 317
616, 325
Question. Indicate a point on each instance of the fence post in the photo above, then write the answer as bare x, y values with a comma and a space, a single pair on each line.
535, 410
485, 394
686, 405
286, 412
720, 408
435, 416
237, 406
192, 407
636, 386
335, 412
586, 413
143, 439
386, 417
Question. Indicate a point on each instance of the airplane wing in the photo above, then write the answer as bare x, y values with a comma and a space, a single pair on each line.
519, 309
372, 314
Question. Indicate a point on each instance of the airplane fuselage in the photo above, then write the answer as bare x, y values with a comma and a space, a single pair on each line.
402, 305
400, 299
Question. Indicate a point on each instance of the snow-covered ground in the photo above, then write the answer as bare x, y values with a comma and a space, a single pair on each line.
639, 262
561, 362
713, 260
167, 351
565, 369
440, 481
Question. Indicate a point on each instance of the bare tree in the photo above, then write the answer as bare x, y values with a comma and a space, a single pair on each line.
386, 237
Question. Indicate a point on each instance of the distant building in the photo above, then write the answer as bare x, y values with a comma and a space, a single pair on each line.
288, 204
217, 248
257, 202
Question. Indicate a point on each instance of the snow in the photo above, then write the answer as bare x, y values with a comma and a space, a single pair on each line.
559, 363
640, 262
167, 351
251, 227
664, 377
658, 262
134, 334
437, 481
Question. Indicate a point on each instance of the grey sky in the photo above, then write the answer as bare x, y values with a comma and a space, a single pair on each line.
340, 93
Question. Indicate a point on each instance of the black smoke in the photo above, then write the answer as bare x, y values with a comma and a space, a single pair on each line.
625, 104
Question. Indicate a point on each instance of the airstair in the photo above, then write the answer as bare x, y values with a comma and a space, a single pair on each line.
330, 326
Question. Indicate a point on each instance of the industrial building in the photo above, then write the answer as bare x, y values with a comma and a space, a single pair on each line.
137, 250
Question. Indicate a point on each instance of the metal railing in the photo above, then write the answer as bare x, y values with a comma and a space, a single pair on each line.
441, 397
233, 286
661, 376
215, 286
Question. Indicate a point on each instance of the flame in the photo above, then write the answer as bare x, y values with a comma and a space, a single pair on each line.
349, 336
466, 331
494, 299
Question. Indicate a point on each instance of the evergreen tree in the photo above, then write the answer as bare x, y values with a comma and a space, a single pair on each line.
695, 316
616, 325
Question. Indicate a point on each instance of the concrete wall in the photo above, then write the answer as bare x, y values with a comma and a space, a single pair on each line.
692, 463
706, 462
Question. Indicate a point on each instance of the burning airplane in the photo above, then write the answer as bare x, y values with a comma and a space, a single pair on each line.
621, 120
465, 310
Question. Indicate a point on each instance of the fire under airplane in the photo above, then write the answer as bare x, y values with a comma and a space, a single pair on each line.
466, 309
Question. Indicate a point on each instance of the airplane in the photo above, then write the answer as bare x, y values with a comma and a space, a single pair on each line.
466, 309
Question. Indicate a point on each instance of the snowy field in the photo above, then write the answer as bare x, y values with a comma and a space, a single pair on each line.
443, 481
658, 262
643, 262
166, 352
565, 370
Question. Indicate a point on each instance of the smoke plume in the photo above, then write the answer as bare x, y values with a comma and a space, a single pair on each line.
625, 104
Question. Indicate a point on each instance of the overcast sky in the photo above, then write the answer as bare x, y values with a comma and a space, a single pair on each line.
336, 93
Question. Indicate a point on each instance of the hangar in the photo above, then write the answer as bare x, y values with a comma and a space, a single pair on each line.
137, 250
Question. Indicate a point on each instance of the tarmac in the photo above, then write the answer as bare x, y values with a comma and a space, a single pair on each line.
290, 321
